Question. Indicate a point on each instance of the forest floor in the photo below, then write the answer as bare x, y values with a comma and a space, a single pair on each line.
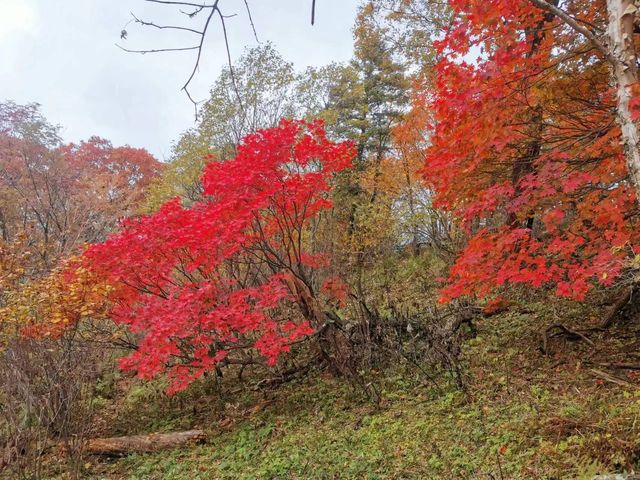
573, 413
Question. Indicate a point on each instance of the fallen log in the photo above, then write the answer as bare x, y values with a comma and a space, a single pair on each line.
119, 446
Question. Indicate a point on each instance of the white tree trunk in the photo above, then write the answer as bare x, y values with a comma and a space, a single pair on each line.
622, 48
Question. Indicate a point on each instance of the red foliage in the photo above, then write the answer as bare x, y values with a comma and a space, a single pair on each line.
203, 283
527, 153
336, 289
496, 305
63, 196
113, 175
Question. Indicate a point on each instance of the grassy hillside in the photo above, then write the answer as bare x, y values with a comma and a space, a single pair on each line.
568, 414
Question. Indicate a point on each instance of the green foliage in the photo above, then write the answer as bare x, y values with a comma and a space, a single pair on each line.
181, 176
520, 416
411, 26
370, 95
256, 94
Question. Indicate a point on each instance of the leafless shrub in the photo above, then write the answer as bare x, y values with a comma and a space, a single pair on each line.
426, 341
46, 393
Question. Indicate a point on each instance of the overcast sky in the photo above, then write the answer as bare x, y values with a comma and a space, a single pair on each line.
62, 54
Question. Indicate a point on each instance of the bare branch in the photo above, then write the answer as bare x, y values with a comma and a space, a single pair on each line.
313, 12
198, 7
231, 71
203, 34
159, 50
194, 13
253, 27
195, 104
161, 27
185, 4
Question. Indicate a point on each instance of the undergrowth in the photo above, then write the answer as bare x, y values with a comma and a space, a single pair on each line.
522, 415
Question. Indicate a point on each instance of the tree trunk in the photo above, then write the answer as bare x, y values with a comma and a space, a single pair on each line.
621, 44
117, 446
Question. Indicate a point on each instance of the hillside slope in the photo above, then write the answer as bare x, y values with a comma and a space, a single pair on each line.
568, 414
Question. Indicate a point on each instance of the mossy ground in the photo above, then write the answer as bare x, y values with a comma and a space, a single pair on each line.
523, 415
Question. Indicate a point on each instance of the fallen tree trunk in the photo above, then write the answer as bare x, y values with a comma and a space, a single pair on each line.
118, 446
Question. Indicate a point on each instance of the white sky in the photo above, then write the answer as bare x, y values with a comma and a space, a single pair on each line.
62, 54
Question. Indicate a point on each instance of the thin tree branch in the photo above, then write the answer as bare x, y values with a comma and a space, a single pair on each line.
253, 27
203, 33
160, 50
230, 63
214, 9
161, 27
194, 13
186, 4
575, 25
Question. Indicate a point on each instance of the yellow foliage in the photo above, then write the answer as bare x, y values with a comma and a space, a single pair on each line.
34, 303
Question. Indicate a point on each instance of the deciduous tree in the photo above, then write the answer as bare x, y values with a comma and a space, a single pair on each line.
232, 274
526, 151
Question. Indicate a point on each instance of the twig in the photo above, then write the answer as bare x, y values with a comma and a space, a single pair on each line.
253, 27
162, 27
499, 466
186, 4
610, 378
621, 366
203, 33
160, 50
230, 63
214, 9
564, 330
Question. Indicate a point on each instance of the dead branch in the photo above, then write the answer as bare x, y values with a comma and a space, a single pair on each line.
159, 50
610, 378
619, 304
118, 446
562, 330
199, 7
213, 9
253, 27
162, 27
621, 366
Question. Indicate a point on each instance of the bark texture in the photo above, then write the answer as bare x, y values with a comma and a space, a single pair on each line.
621, 45
117, 446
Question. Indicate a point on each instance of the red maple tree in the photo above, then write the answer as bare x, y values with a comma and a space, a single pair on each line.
229, 276
526, 151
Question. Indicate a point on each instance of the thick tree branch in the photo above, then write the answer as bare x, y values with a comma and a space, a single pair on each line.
575, 25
